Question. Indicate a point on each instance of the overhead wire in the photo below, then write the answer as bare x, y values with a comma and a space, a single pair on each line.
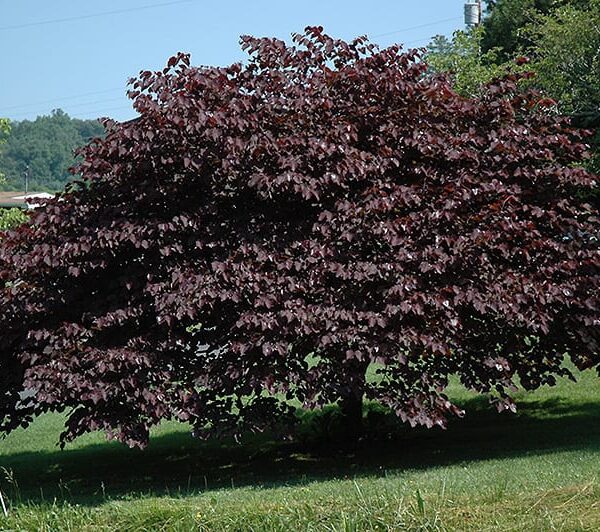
435, 23
61, 99
99, 113
93, 15
70, 106
3, 112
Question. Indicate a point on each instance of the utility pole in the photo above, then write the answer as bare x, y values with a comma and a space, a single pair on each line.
26, 175
472, 13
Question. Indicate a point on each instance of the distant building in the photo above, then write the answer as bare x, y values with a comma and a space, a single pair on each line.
31, 200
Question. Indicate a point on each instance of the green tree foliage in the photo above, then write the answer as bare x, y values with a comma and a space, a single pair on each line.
10, 218
463, 59
566, 56
562, 39
46, 145
506, 19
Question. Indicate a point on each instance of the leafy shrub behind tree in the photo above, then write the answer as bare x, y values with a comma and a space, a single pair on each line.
10, 218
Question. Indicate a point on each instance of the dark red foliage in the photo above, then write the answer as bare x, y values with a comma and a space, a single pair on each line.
266, 232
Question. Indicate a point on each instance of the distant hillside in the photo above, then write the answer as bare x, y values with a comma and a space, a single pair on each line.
45, 145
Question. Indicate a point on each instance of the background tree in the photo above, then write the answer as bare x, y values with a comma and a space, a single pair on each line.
45, 145
559, 37
566, 56
462, 58
272, 230
505, 20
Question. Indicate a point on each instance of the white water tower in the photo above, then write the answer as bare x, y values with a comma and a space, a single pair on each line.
472, 13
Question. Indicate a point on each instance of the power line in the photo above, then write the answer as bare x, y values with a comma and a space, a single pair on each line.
61, 99
88, 115
25, 113
115, 89
416, 41
93, 15
417, 27
65, 98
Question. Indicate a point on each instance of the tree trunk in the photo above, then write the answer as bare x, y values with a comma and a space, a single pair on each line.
351, 400
351, 408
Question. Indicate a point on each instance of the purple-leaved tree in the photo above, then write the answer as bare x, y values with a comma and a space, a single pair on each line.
270, 231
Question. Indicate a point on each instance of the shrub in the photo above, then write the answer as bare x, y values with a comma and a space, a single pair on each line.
10, 218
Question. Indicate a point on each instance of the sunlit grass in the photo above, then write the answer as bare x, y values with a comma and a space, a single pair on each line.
537, 470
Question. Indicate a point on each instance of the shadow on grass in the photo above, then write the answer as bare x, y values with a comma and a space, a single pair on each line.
176, 463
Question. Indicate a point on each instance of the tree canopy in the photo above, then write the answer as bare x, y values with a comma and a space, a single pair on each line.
46, 146
566, 56
505, 21
269, 231
461, 57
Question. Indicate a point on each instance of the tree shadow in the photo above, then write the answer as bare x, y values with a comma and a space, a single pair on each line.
176, 463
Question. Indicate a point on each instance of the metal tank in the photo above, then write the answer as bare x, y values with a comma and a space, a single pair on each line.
472, 13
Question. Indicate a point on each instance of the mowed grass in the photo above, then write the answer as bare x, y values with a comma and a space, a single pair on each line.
536, 470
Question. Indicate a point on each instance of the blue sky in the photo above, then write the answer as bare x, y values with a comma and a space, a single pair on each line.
50, 60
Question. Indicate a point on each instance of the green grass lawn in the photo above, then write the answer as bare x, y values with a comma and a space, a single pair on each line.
537, 470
